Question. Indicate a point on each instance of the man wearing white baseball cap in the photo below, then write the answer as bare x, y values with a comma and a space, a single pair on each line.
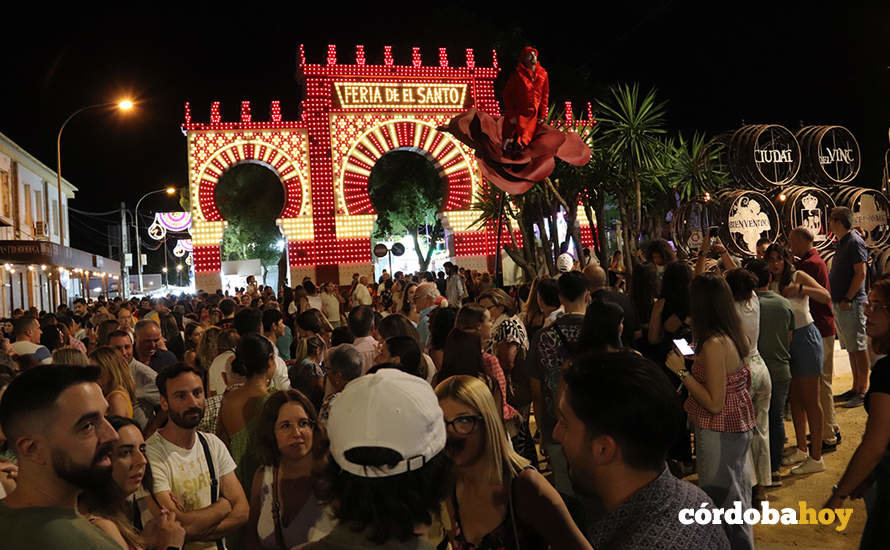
564, 263
388, 472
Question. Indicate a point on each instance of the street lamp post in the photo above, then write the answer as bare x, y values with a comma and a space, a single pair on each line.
124, 105
179, 274
169, 191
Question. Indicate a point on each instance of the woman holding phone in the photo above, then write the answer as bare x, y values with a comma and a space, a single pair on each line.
719, 404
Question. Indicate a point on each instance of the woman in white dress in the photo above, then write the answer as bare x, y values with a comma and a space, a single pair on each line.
742, 283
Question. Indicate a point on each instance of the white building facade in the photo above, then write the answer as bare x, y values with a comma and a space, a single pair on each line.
37, 269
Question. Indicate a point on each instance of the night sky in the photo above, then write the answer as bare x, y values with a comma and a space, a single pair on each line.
776, 62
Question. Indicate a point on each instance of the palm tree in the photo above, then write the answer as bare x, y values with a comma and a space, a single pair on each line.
631, 130
694, 167
539, 207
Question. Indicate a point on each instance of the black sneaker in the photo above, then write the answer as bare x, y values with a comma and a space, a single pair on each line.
840, 398
829, 447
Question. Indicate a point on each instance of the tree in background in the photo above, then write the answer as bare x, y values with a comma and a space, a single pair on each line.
632, 126
250, 197
406, 191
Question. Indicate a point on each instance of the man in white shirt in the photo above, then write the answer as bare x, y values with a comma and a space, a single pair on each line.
148, 399
455, 290
183, 480
425, 296
361, 323
216, 382
361, 295
27, 340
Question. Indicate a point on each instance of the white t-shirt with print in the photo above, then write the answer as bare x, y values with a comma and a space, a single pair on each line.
184, 473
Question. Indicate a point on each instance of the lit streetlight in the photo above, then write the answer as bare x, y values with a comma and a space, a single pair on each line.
167, 190
179, 274
124, 105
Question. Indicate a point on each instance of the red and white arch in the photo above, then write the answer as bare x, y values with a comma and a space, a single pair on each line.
364, 139
266, 154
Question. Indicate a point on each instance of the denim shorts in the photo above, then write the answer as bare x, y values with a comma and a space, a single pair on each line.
850, 324
806, 351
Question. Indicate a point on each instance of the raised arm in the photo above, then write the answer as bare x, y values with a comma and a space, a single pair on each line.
807, 286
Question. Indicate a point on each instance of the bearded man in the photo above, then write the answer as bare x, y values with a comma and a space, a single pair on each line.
193, 472
54, 419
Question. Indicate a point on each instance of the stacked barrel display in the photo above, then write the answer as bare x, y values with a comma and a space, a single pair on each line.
782, 180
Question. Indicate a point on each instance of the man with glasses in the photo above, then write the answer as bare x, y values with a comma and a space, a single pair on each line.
847, 279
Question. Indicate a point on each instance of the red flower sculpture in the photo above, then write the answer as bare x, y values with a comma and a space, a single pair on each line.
517, 150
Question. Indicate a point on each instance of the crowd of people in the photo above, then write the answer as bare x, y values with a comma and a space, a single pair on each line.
439, 411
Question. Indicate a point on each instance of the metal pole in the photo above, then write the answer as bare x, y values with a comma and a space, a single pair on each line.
125, 248
498, 276
166, 270
138, 244
59, 162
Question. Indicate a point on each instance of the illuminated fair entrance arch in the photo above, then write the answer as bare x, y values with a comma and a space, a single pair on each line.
352, 114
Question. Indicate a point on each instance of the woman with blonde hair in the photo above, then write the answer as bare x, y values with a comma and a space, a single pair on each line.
116, 381
498, 500
70, 356
208, 347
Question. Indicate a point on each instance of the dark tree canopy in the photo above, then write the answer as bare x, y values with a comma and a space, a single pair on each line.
250, 197
406, 191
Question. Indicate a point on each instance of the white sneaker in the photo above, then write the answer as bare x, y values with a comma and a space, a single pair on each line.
809, 466
795, 457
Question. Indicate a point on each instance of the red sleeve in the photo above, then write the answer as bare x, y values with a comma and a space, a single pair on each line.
512, 96
544, 106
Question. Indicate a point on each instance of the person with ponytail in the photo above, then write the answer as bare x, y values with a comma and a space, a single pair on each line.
255, 361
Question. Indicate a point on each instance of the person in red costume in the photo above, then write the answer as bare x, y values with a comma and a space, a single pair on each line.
518, 150
526, 100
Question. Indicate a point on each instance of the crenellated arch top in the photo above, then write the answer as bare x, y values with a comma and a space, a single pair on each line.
268, 153
456, 163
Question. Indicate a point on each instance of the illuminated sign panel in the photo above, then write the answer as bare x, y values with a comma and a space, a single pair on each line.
377, 95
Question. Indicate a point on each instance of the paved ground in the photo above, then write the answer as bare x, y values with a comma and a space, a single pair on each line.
816, 488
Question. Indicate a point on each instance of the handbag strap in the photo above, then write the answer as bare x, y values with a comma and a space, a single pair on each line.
276, 510
214, 483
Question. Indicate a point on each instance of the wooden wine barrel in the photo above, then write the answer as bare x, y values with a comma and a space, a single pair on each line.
764, 156
830, 155
808, 207
881, 260
746, 216
690, 223
871, 213
828, 257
